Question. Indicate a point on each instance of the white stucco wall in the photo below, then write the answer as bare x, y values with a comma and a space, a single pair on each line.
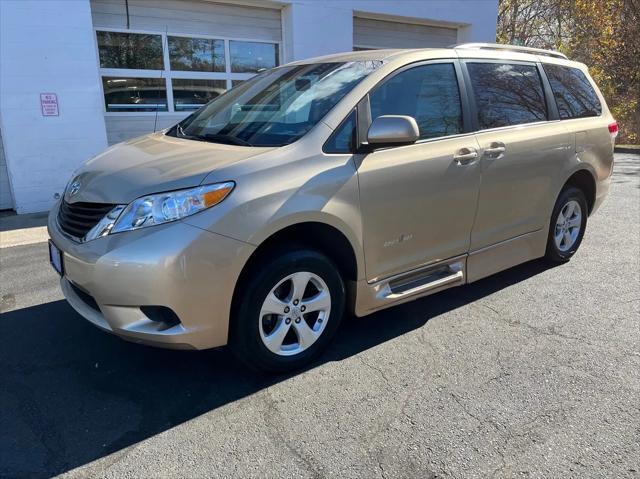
47, 46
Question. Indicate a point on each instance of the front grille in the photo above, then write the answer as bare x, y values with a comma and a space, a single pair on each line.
77, 219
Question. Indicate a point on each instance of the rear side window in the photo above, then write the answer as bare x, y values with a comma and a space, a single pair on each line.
429, 93
573, 92
507, 94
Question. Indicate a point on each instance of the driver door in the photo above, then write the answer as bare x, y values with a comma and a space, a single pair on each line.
418, 201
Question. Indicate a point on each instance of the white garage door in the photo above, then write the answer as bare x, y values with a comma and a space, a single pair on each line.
172, 56
371, 33
6, 202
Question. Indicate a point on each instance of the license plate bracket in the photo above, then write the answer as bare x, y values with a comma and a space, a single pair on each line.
55, 258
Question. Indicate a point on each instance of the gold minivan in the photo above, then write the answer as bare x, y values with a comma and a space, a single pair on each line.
351, 182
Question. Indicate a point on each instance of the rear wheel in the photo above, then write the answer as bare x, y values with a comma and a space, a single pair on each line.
568, 223
287, 311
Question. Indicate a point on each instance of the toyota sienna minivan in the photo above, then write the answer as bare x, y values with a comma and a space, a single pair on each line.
345, 183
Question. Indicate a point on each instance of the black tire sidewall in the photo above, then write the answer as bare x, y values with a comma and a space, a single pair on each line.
244, 337
566, 195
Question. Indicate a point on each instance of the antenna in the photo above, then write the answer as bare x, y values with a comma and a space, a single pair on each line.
166, 96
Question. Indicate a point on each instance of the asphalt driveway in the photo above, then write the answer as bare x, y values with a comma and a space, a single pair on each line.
534, 372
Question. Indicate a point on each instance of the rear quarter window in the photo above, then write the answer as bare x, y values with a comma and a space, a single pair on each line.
507, 94
573, 92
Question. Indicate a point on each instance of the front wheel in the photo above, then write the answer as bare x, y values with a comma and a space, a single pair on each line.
568, 223
286, 311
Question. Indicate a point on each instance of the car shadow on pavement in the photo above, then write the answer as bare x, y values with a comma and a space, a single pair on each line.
71, 394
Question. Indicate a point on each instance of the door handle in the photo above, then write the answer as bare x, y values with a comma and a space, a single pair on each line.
464, 156
495, 150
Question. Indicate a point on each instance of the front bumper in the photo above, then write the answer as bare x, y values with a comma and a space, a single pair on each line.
189, 270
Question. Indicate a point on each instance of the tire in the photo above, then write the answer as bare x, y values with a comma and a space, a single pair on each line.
565, 237
287, 332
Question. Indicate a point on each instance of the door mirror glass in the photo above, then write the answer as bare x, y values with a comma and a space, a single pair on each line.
394, 130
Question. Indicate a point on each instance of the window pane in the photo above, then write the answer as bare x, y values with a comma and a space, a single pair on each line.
252, 56
428, 93
130, 50
343, 139
574, 95
235, 83
507, 94
196, 54
134, 94
192, 94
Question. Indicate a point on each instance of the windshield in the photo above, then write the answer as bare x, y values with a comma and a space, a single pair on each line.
276, 107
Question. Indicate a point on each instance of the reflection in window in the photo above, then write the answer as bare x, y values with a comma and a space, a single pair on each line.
235, 83
344, 138
192, 94
278, 106
134, 94
196, 54
250, 57
574, 95
130, 50
507, 94
428, 93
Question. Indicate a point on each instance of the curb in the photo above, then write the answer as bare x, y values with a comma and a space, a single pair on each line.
624, 149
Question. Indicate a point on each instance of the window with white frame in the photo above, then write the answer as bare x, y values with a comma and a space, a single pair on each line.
149, 72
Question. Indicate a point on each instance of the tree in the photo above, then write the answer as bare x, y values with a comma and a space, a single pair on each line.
603, 34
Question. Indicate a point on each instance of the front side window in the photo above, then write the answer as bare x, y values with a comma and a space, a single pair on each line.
507, 94
574, 95
428, 93
276, 107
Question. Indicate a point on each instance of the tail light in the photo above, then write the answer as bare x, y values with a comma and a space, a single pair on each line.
613, 129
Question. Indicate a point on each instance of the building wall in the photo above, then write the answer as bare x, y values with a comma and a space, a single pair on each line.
50, 46
47, 47
313, 28
6, 197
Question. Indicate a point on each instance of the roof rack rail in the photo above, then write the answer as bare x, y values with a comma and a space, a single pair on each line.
511, 48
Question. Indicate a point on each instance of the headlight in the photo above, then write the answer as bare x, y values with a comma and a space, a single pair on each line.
165, 207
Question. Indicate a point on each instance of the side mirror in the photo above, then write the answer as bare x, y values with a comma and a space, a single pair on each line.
393, 130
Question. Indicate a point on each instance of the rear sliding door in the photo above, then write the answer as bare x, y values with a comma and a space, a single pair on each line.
521, 151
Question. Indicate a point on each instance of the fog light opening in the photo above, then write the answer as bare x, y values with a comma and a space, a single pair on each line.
162, 315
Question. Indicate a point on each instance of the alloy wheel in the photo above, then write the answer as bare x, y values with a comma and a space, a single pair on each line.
294, 314
568, 226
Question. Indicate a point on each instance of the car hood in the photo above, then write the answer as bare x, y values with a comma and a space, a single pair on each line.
152, 164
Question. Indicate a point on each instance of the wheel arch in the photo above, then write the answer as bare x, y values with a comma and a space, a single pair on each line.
326, 238
584, 180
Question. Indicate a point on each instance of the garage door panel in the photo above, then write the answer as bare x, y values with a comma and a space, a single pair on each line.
387, 34
124, 127
190, 17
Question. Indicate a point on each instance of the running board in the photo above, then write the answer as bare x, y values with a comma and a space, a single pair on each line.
421, 282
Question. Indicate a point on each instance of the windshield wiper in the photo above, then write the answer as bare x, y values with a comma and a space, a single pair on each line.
181, 134
223, 138
212, 137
